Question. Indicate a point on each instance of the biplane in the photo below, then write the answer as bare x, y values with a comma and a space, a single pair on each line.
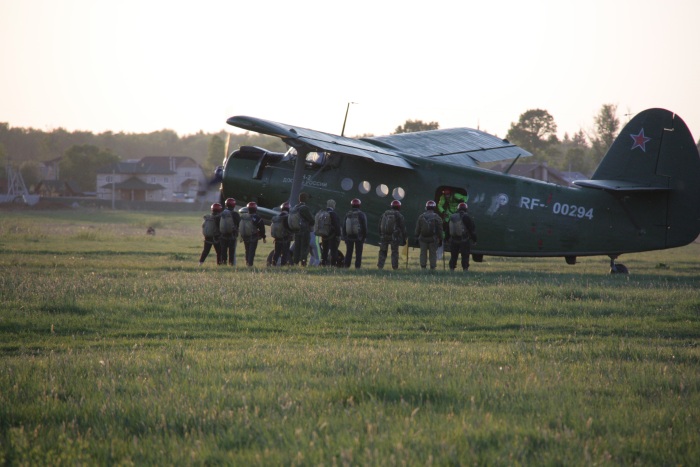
644, 195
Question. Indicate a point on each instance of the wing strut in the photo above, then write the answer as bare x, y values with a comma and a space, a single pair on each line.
298, 175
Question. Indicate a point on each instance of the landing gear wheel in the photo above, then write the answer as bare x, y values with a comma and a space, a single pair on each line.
616, 268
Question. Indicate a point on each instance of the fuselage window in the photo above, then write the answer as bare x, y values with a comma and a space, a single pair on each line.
398, 193
364, 187
382, 190
346, 184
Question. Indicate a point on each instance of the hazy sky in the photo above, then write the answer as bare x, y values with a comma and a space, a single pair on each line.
147, 65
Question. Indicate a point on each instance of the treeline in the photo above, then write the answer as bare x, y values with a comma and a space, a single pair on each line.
536, 131
26, 148
581, 152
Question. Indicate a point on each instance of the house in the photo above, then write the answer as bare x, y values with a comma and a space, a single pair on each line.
49, 170
56, 188
173, 179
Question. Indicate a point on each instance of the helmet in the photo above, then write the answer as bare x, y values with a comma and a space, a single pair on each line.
396, 204
355, 203
462, 207
446, 191
285, 206
252, 207
216, 208
430, 205
230, 203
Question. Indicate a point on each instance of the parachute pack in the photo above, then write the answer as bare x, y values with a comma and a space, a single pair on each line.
388, 223
457, 228
210, 226
294, 219
277, 228
427, 223
323, 223
226, 224
352, 224
246, 227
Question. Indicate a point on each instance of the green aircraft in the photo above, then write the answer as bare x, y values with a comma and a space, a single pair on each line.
644, 195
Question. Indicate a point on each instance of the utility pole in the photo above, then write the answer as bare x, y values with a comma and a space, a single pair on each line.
347, 109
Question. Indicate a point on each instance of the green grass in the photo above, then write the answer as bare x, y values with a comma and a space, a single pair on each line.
116, 348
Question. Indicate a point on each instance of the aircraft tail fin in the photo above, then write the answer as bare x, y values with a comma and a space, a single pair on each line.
655, 152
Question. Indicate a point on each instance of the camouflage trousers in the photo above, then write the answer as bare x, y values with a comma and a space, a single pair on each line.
428, 249
384, 244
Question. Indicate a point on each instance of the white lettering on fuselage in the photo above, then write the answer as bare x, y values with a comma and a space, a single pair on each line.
307, 182
530, 203
559, 209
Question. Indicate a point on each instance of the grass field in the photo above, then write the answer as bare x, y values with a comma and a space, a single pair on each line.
116, 348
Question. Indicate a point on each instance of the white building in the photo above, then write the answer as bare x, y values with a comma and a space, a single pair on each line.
172, 179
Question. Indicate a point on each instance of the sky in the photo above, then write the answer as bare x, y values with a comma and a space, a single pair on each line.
138, 66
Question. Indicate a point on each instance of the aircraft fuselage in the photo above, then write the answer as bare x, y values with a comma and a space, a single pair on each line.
514, 216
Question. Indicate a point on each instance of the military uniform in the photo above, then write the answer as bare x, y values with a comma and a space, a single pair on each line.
461, 244
394, 239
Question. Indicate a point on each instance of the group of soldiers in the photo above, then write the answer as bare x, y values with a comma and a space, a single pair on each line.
444, 223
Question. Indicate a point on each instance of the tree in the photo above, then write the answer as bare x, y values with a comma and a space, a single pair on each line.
607, 126
535, 131
412, 126
216, 154
578, 156
3, 161
31, 173
80, 164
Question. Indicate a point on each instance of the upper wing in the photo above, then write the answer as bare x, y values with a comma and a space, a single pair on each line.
458, 146
297, 136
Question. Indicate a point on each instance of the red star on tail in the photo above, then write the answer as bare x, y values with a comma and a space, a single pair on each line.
640, 141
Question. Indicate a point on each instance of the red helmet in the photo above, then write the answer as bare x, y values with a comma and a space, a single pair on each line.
462, 207
285, 206
252, 207
446, 191
230, 203
396, 204
216, 208
430, 205
355, 203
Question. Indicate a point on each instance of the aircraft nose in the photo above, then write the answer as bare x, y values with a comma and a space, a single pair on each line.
218, 176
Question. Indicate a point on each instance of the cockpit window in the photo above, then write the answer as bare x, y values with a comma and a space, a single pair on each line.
316, 158
291, 154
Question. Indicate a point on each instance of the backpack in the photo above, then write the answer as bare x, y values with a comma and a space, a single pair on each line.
294, 219
226, 224
457, 228
246, 227
277, 228
388, 223
427, 224
209, 226
323, 223
352, 224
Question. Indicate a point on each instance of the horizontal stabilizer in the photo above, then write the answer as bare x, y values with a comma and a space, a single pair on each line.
617, 185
